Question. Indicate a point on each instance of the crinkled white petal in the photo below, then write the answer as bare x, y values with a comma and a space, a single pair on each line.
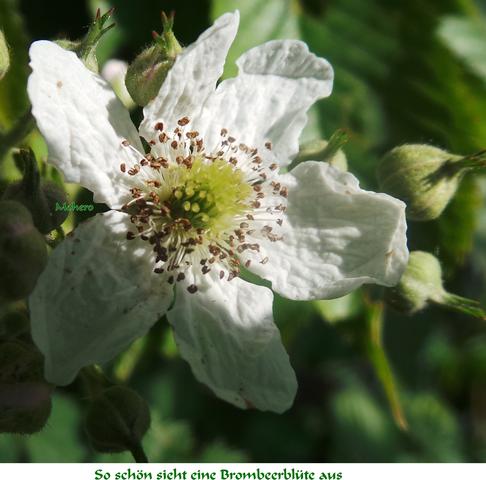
97, 294
82, 121
192, 78
336, 236
268, 100
226, 332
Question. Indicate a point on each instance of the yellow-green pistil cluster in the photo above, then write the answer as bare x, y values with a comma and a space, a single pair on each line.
209, 195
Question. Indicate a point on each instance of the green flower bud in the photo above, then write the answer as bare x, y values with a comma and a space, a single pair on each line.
117, 420
424, 177
85, 48
421, 284
23, 252
39, 196
325, 151
25, 397
148, 71
4, 56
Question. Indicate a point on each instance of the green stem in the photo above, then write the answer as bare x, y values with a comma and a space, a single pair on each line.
320, 150
337, 141
461, 304
17, 133
476, 161
381, 363
138, 453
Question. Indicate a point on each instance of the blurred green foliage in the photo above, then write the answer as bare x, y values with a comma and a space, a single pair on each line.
406, 71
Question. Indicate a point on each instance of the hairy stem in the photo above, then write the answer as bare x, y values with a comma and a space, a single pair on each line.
381, 364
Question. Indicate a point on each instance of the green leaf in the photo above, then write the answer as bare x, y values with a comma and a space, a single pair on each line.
13, 95
466, 38
361, 431
260, 22
434, 430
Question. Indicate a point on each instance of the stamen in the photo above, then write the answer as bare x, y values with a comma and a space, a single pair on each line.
199, 208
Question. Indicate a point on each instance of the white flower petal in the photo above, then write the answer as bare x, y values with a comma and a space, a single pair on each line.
226, 332
268, 100
97, 294
82, 121
193, 76
336, 236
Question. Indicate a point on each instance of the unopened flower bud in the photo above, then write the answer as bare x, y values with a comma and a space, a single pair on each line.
39, 196
85, 48
424, 177
421, 284
148, 71
325, 151
25, 397
23, 252
4, 56
117, 420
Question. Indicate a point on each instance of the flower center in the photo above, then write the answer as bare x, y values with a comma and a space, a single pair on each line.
200, 209
208, 195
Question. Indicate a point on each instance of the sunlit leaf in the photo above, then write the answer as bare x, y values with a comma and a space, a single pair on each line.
466, 38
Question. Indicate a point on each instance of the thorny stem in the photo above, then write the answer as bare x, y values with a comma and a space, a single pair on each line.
381, 364
17, 133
